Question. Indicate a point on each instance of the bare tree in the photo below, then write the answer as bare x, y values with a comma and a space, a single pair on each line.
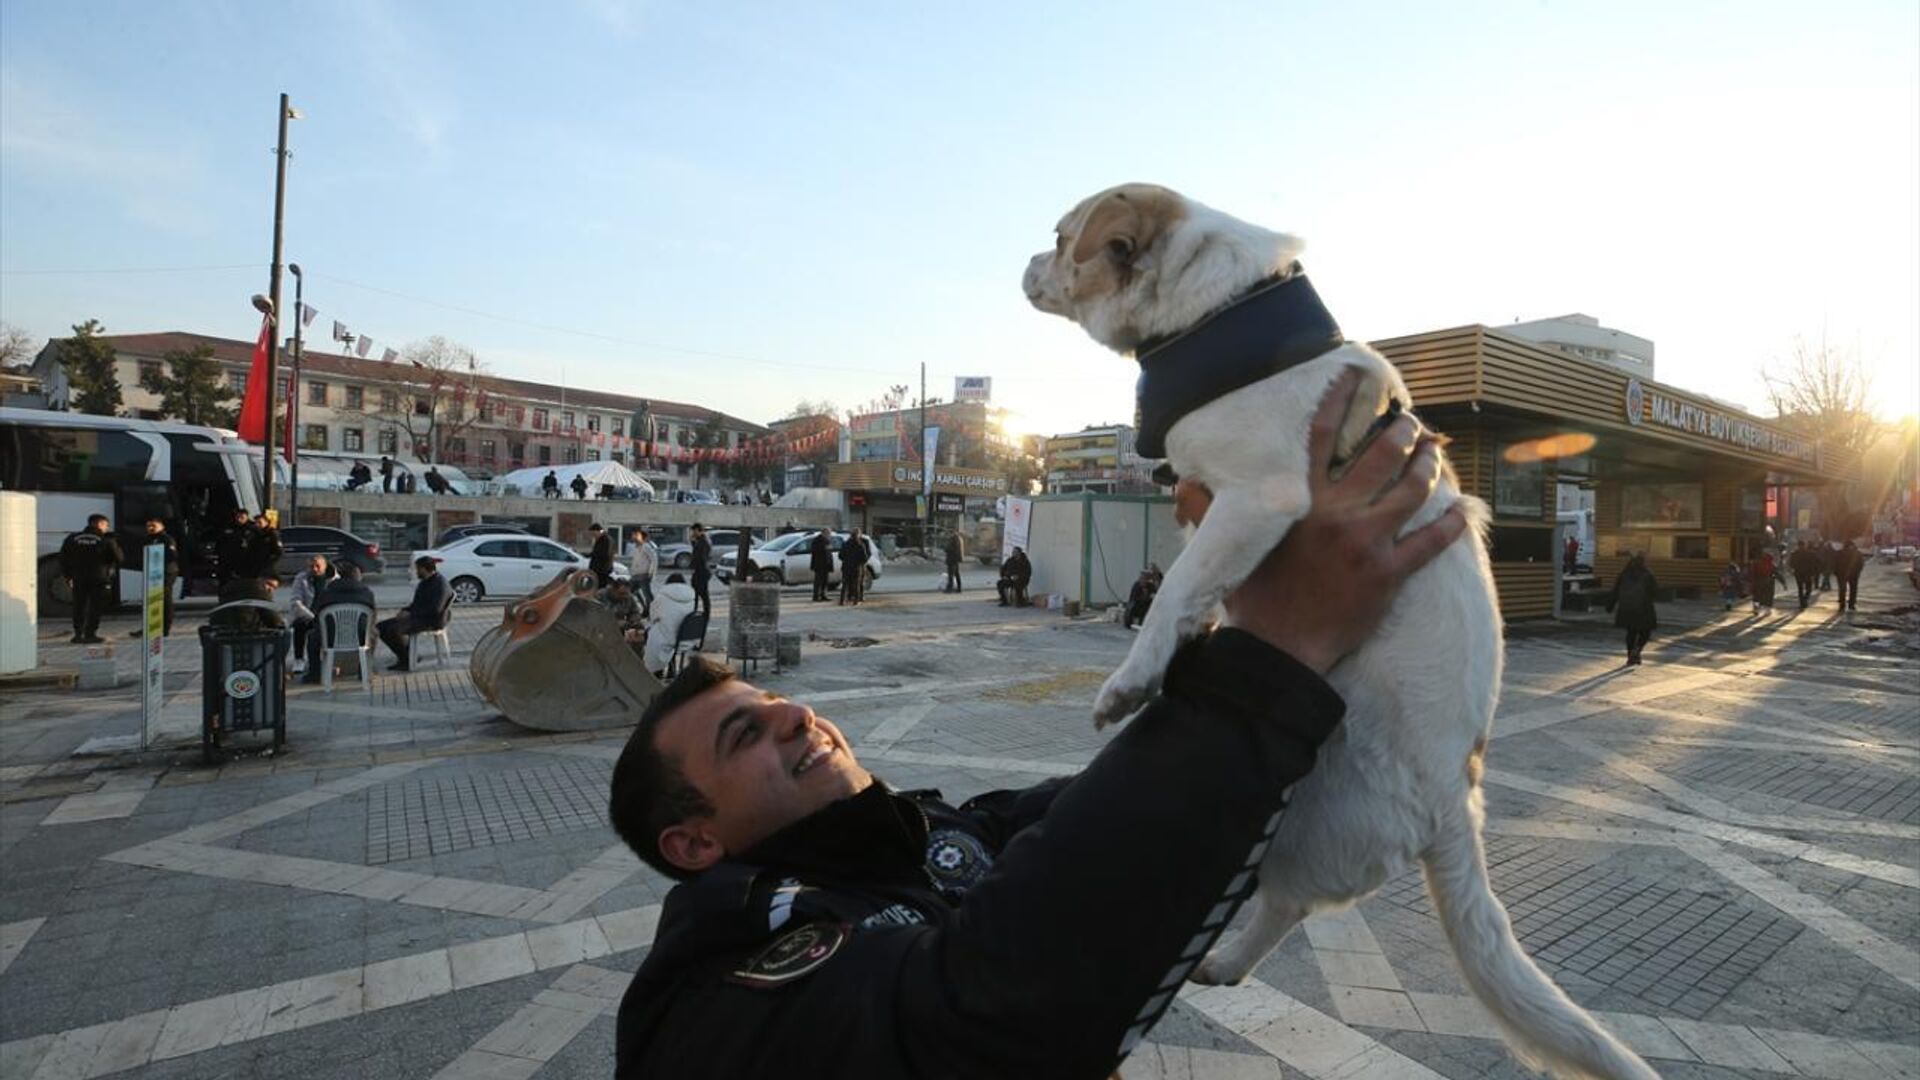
16, 346
1822, 392
806, 407
443, 391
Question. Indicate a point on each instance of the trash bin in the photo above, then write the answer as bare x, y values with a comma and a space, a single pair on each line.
243, 684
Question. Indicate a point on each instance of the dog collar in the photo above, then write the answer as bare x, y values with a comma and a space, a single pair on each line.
1279, 324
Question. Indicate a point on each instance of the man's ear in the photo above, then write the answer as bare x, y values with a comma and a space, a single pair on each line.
691, 845
1126, 221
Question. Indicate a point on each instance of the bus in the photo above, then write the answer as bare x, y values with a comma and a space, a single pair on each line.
77, 465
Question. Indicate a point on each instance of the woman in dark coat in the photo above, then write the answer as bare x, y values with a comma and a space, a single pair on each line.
1632, 606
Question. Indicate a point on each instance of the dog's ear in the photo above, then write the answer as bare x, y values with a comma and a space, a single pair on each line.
1125, 222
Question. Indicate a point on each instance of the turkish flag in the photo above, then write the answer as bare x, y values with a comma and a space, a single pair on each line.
256, 406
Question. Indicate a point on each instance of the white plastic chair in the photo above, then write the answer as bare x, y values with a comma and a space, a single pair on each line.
442, 646
350, 629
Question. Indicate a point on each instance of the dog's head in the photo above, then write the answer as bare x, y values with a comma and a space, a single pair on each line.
1141, 261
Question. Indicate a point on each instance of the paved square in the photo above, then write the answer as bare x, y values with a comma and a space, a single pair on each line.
1718, 852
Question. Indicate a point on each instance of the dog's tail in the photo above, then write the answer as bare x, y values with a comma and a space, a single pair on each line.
1546, 1030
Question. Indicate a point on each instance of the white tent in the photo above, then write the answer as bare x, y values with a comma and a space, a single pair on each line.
812, 498
596, 473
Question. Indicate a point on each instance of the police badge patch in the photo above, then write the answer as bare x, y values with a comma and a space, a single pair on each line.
957, 860
793, 954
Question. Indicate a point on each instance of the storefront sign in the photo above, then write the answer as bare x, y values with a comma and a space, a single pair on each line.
973, 388
1647, 405
949, 504
972, 480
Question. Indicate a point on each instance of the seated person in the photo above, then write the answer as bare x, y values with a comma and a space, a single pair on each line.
619, 599
260, 615
428, 610
1014, 575
347, 588
1140, 599
306, 586
672, 603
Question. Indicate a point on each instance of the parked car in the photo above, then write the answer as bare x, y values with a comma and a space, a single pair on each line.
788, 559
303, 542
461, 532
679, 554
505, 565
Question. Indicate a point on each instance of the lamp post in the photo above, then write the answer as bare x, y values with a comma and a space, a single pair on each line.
293, 399
272, 310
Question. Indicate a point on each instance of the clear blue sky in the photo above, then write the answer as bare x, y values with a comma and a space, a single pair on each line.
841, 193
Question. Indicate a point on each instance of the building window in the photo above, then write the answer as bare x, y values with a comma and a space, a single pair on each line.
486, 412
150, 372
314, 437
546, 454
353, 439
517, 451
566, 420
593, 455
389, 401
356, 397
1690, 547
389, 441
486, 449
593, 422
539, 419
237, 382
316, 393
616, 457
572, 455
619, 426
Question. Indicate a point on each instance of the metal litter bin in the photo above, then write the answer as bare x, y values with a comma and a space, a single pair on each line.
243, 684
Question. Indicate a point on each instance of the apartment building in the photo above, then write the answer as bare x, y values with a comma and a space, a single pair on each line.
356, 408
1100, 460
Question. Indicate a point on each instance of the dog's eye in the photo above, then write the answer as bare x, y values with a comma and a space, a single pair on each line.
1059, 243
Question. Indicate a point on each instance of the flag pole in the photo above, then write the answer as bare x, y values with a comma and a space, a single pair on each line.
273, 296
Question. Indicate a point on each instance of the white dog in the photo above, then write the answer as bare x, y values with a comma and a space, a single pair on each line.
1224, 325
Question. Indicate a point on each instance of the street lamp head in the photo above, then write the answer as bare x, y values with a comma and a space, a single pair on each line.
261, 304
294, 268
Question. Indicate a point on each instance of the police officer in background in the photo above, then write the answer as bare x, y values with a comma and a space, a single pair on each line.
233, 548
89, 560
157, 534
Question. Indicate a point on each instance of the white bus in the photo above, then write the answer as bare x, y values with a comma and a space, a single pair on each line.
78, 465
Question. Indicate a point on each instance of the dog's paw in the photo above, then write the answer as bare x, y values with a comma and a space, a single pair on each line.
1120, 697
1215, 971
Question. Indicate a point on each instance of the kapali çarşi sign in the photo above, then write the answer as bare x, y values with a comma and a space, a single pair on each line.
970, 479
1646, 405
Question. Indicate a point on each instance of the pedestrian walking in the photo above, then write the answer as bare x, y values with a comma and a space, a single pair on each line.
1805, 567
579, 486
600, 560
853, 569
700, 554
1761, 576
386, 475
1847, 565
1632, 605
820, 561
157, 534
643, 561
955, 552
90, 560
1827, 551
232, 549
550, 485
1730, 578
1570, 556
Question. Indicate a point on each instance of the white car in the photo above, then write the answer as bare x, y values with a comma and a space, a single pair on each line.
504, 565
788, 559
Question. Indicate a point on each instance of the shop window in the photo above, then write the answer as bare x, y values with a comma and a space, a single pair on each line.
1690, 547
1519, 486
1513, 543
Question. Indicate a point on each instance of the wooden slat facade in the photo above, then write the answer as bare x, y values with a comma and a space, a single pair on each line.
1462, 378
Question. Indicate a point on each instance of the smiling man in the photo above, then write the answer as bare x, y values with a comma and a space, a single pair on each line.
826, 925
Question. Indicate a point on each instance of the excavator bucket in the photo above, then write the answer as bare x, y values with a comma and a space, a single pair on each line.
558, 662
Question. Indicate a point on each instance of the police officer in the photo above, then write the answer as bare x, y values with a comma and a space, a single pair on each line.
157, 534
827, 925
233, 549
89, 561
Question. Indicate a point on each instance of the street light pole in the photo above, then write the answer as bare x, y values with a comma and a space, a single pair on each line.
273, 295
293, 399
926, 525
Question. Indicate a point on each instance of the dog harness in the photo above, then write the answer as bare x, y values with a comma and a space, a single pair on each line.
1279, 324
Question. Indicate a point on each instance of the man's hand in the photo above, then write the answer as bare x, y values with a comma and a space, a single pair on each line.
1322, 592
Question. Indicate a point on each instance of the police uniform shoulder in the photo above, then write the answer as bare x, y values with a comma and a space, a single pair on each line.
791, 956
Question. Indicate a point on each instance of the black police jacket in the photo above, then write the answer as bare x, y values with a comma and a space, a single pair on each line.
1036, 933
89, 558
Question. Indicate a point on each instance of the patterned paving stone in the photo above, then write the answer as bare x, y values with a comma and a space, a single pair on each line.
435, 815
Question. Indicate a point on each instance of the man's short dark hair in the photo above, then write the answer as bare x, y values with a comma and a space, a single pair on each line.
650, 792
699, 526
595, 527
426, 562
94, 519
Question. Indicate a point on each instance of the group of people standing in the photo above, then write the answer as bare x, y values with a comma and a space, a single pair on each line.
1815, 567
